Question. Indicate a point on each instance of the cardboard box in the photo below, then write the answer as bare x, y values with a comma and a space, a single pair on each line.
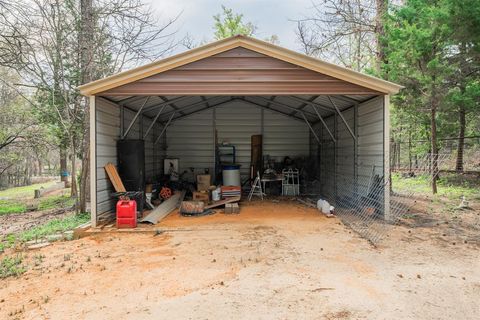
203, 182
201, 196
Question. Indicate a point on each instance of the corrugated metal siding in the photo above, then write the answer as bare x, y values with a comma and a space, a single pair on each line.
238, 71
108, 129
192, 139
370, 137
327, 157
345, 154
236, 122
370, 148
108, 132
284, 136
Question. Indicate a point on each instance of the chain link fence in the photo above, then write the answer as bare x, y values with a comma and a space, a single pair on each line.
407, 155
360, 201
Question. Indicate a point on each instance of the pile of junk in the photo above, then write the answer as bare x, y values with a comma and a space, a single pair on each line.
142, 201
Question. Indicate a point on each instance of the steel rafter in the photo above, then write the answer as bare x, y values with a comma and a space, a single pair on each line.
270, 109
311, 129
324, 124
135, 118
282, 105
343, 119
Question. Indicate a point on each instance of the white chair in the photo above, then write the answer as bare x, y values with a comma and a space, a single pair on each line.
290, 182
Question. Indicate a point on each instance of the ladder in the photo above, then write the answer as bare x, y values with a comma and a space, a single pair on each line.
256, 188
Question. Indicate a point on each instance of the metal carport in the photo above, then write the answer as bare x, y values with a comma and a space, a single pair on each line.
302, 105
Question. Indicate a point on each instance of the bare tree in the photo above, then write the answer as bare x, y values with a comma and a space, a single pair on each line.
345, 32
57, 45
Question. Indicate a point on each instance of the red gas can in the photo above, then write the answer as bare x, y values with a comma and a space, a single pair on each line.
126, 214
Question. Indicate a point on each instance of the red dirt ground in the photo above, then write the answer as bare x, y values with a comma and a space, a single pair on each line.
271, 261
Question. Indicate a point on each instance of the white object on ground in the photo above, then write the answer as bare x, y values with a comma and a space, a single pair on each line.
216, 194
320, 204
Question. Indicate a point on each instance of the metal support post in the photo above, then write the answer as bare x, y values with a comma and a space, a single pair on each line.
311, 129
341, 117
135, 118
323, 122
164, 128
153, 122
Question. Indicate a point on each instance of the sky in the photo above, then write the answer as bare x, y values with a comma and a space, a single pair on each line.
270, 17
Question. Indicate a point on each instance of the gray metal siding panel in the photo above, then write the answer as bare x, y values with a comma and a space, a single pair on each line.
284, 136
345, 154
370, 137
108, 129
191, 141
236, 122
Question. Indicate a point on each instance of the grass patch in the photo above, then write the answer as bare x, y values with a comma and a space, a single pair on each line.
451, 186
11, 266
25, 191
8, 206
52, 202
54, 226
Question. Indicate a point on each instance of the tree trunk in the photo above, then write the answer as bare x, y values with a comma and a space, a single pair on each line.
433, 133
73, 189
382, 8
461, 139
63, 165
86, 45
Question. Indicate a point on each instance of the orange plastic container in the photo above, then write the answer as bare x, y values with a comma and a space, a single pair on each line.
126, 214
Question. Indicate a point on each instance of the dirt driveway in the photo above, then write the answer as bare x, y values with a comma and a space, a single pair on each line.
276, 261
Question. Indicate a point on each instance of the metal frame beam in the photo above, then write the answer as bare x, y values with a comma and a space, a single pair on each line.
311, 129
321, 106
324, 124
270, 109
282, 105
192, 105
164, 128
305, 104
171, 104
165, 103
206, 108
124, 135
341, 117
153, 122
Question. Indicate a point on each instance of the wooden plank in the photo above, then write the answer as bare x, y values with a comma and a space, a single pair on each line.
222, 202
114, 177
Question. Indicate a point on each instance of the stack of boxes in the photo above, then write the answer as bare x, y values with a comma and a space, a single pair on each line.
203, 188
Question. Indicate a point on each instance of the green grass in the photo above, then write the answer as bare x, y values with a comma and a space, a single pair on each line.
52, 202
451, 186
11, 266
9, 206
25, 191
53, 226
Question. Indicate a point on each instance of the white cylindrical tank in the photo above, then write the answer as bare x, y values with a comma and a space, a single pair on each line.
231, 175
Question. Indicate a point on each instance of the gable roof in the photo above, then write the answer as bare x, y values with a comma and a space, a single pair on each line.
268, 49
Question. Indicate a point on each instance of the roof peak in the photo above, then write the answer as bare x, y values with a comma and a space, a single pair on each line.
232, 42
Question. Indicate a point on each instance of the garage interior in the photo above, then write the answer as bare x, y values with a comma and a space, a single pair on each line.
247, 103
